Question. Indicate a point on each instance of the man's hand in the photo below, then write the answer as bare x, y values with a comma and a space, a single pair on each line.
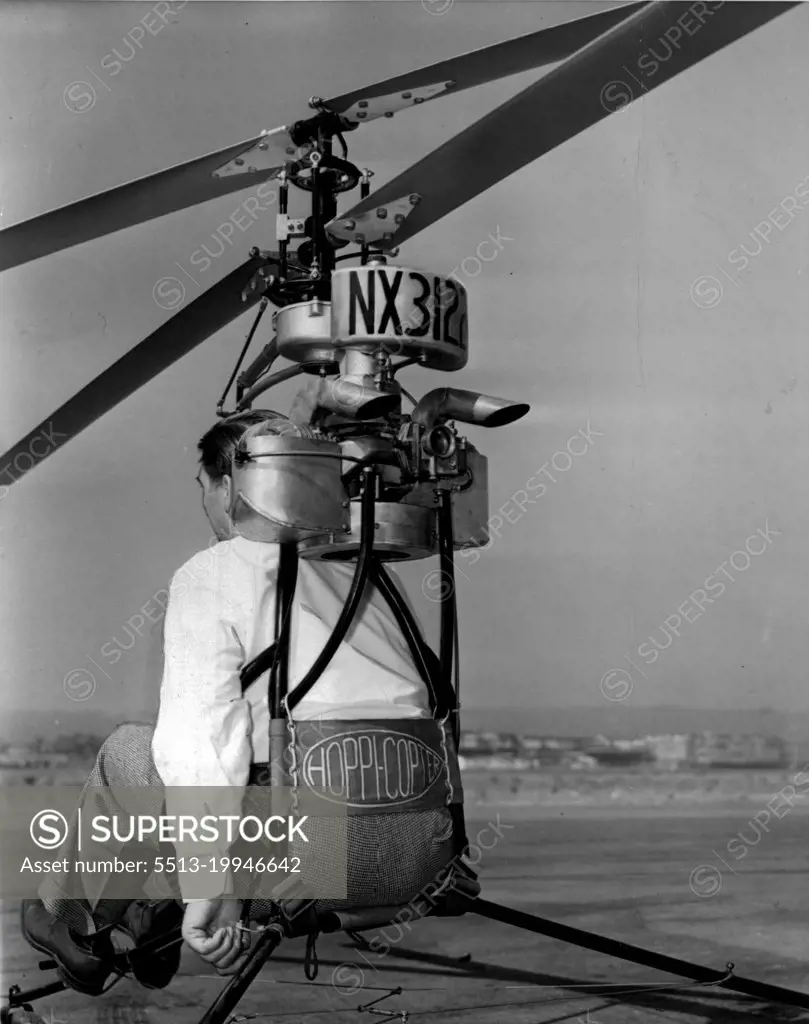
209, 928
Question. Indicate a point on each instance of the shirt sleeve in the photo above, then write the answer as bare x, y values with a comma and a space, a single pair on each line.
202, 737
153, 667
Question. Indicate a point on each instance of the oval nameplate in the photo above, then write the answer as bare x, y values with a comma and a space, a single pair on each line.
371, 768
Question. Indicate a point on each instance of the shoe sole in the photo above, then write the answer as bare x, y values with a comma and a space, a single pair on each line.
62, 972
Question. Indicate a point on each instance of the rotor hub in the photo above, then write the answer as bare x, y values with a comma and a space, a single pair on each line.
336, 175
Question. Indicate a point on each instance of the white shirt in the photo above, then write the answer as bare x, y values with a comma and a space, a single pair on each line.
221, 614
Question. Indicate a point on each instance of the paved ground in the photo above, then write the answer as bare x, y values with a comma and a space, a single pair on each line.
632, 878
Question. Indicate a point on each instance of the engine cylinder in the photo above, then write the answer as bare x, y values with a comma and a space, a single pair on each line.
288, 488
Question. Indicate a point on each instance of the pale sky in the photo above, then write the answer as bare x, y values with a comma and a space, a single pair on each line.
696, 399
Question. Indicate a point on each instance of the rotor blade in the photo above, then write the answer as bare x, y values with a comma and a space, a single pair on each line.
223, 172
601, 78
133, 203
203, 317
480, 66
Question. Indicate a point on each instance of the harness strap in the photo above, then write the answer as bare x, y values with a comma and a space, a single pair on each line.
257, 667
442, 694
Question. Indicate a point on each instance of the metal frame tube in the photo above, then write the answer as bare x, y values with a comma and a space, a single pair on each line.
449, 620
260, 365
266, 383
634, 954
229, 997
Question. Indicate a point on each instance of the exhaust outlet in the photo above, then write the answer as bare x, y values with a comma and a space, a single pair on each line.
468, 407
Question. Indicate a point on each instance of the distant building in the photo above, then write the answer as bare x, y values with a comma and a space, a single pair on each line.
555, 743
542, 751
489, 744
619, 753
670, 750
716, 750
22, 757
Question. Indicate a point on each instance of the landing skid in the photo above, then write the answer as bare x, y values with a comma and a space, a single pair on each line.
19, 1010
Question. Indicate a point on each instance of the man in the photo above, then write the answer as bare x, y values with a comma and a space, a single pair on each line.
220, 615
209, 733
70, 925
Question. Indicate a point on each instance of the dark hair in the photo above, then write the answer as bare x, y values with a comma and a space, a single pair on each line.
218, 445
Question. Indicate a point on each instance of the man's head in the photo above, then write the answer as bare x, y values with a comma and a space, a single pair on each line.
217, 448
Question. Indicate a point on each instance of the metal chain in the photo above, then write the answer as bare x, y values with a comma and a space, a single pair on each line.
445, 753
293, 753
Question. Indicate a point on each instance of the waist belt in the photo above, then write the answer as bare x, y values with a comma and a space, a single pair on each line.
377, 766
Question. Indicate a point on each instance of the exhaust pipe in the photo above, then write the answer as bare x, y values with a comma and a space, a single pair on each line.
468, 407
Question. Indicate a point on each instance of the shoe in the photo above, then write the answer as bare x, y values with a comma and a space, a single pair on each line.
155, 925
83, 962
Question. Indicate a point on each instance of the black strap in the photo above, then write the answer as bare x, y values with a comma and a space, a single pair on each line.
257, 667
446, 695
422, 656
442, 688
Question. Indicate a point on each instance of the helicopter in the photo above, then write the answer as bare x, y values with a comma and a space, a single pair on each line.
346, 327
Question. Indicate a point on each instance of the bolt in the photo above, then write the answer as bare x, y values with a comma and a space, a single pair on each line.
382, 213
388, 113
361, 114
407, 95
263, 145
363, 103
238, 161
399, 218
291, 150
414, 198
